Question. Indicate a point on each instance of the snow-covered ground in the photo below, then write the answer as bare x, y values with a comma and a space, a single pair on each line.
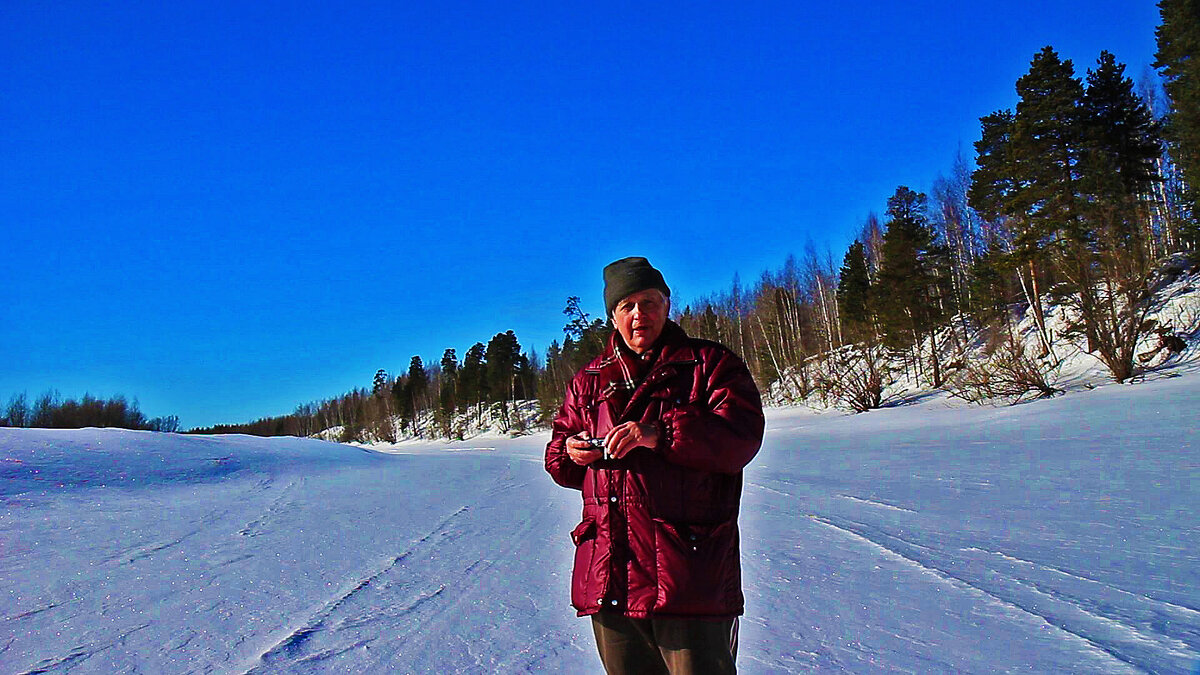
1061, 535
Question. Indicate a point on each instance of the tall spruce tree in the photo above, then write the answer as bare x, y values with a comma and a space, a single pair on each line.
912, 290
418, 387
472, 378
1108, 262
900, 294
1047, 142
1117, 167
418, 378
1122, 139
1028, 174
380, 382
503, 354
1178, 58
448, 395
853, 294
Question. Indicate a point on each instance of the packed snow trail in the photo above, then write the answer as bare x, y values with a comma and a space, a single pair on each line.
1057, 536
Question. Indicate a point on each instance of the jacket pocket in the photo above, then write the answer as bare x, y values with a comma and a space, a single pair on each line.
698, 568
584, 537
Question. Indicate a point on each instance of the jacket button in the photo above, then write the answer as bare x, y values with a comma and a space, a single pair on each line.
692, 537
613, 603
613, 499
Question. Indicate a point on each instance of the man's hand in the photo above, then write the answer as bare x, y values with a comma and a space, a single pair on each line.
580, 451
624, 438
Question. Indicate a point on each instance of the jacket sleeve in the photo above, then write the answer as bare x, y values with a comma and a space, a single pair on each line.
569, 421
722, 430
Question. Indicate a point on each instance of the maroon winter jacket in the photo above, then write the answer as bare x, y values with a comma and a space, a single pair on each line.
659, 535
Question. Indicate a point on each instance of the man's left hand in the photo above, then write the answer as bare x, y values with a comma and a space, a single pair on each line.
625, 437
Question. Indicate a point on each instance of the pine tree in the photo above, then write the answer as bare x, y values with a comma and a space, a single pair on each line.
472, 377
380, 382
1047, 142
1028, 174
418, 380
912, 293
584, 338
853, 293
1122, 139
552, 382
448, 402
994, 183
1178, 58
503, 352
1108, 261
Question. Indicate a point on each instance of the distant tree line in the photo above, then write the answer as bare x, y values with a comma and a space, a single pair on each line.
444, 399
51, 411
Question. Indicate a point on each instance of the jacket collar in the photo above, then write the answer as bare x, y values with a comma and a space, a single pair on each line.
624, 378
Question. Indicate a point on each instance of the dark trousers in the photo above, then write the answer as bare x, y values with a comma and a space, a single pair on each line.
673, 646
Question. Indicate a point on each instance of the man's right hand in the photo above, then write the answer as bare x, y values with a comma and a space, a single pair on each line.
580, 451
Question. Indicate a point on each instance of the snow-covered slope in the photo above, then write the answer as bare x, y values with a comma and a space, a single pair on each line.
1057, 536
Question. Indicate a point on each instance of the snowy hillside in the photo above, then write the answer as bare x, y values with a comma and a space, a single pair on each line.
1057, 536
965, 351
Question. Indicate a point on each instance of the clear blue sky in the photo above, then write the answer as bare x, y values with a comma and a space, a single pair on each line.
226, 209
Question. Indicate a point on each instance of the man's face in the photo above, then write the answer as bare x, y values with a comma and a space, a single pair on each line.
640, 318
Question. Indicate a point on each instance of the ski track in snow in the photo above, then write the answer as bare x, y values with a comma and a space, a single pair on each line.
291, 646
257, 526
81, 653
875, 502
437, 595
926, 566
1185, 613
1106, 629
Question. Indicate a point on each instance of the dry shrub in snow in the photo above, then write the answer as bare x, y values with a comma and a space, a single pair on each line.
1010, 372
854, 376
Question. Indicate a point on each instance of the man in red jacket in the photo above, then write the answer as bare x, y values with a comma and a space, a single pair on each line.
677, 418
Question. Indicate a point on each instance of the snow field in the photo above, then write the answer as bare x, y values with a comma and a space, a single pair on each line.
1056, 536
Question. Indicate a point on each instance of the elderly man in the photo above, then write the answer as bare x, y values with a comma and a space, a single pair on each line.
655, 433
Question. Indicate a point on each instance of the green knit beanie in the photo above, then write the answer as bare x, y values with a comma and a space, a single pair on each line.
628, 276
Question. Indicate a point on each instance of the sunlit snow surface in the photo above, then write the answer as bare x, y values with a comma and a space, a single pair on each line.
1056, 536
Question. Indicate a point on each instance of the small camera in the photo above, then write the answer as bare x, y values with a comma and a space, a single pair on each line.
598, 443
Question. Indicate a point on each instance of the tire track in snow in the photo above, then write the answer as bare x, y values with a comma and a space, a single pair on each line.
132, 555
875, 502
760, 486
291, 644
1182, 610
142, 551
1108, 636
466, 586
80, 653
254, 528
32, 612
